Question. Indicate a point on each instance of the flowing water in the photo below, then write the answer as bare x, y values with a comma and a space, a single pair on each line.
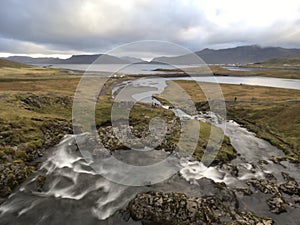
75, 194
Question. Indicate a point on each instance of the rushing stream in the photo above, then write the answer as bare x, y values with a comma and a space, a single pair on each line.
74, 194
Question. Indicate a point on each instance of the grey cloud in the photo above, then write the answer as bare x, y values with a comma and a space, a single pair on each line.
60, 23
63, 25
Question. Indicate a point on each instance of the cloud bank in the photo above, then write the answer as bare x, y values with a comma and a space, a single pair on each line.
66, 27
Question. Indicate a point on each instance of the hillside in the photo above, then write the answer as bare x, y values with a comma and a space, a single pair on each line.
74, 59
238, 55
11, 64
283, 63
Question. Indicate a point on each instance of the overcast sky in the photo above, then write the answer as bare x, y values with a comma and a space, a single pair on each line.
64, 27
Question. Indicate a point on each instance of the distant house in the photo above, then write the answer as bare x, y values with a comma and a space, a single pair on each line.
118, 76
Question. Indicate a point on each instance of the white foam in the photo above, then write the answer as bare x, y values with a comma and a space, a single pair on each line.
25, 210
6, 208
105, 208
196, 170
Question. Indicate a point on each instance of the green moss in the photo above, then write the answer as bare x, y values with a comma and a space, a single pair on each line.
21, 155
2, 154
226, 152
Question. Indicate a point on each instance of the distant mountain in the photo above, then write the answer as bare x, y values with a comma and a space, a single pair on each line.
11, 64
133, 59
99, 58
238, 55
31, 61
75, 59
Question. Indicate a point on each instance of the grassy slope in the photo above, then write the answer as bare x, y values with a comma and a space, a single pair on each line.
285, 63
272, 113
36, 114
12, 64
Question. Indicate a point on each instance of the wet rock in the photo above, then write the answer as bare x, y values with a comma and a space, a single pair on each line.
264, 186
108, 137
263, 162
232, 169
40, 182
125, 215
270, 177
226, 195
244, 191
297, 199
291, 186
277, 204
179, 209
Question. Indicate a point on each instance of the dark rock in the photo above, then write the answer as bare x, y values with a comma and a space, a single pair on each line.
270, 177
291, 186
264, 186
263, 162
178, 209
297, 199
125, 215
40, 182
244, 191
277, 204
232, 169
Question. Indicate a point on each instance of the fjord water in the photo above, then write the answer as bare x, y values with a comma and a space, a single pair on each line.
149, 69
139, 68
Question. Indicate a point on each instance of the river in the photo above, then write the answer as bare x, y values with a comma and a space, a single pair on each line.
74, 194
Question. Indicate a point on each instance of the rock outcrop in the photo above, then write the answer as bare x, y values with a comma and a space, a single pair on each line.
179, 209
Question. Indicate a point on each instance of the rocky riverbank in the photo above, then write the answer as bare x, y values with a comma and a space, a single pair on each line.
25, 139
177, 208
224, 207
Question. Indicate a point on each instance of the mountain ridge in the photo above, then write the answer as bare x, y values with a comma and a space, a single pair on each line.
236, 55
12, 64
